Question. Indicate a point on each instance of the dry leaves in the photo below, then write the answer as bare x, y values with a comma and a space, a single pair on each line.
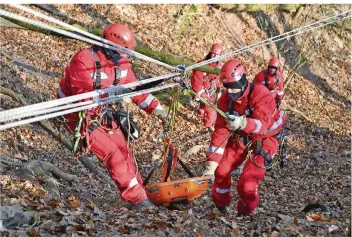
73, 202
283, 191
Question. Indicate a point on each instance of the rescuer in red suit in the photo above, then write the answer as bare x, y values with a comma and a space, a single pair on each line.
206, 85
250, 108
272, 78
98, 68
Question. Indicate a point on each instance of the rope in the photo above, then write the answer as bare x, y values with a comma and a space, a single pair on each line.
33, 109
280, 37
222, 113
78, 37
39, 108
171, 115
86, 107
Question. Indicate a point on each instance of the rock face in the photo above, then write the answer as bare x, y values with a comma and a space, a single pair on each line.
12, 216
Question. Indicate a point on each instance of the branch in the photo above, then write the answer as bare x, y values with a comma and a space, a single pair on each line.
7, 23
142, 49
46, 125
288, 107
37, 168
298, 13
200, 136
194, 150
52, 10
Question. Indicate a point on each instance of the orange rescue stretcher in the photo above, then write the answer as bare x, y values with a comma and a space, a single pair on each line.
178, 191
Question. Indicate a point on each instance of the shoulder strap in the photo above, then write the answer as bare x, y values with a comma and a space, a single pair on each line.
251, 88
266, 78
97, 83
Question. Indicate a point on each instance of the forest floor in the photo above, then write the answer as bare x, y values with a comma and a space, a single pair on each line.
319, 150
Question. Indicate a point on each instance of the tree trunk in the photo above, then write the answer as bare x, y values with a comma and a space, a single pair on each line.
52, 10
158, 55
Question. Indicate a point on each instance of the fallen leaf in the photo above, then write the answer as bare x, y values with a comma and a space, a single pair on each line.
32, 233
74, 203
333, 228
54, 203
289, 227
121, 229
62, 213
71, 198
334, 222
295, 221
90, 204
199, 233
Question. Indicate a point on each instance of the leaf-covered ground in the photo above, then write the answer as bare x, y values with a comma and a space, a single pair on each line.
316, 180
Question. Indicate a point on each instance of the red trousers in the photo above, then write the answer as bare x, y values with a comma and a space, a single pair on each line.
248, 183
110, 147
207, 115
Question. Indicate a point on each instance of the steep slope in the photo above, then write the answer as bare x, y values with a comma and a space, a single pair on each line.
319, 148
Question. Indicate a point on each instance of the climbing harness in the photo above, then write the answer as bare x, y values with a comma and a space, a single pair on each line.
267, 82
282, 147
76, 135
127, 125
166, 192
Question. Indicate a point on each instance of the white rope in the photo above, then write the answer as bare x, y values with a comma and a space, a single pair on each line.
46, 111
78, 37
86, 107
25, 110
280, 37
55, 105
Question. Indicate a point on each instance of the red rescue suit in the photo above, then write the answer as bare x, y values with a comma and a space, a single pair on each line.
108, 144
205, 85
259, 108
275, 83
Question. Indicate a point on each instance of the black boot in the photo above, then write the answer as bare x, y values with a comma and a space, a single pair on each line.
143, 205
240, 215
222, 210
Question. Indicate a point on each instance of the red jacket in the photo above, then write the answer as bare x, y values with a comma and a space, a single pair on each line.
274, 83
259, 108
205, 84
80, 77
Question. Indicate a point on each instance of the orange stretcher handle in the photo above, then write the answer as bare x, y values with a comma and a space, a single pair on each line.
177, 191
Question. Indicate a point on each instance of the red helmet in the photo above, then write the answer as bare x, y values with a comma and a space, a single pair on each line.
233, 74
216, 49
120, 34
274, 62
